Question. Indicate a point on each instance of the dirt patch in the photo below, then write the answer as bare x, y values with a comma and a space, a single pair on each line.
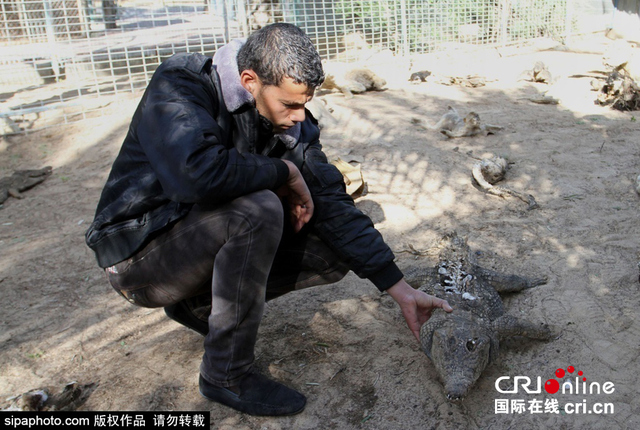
346, 346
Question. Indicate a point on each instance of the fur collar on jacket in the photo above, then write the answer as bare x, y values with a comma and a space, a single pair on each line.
234, 94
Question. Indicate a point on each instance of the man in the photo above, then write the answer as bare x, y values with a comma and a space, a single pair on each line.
193, 217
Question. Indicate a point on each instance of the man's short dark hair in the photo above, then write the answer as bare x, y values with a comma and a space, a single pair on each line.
280, 50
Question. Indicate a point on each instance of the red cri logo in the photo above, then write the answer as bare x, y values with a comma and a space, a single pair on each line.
552, 386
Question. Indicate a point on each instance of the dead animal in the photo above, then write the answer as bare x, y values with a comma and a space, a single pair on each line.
471, 81
351, 79
321, 112
260, 13
619, 91
489, 171
420, 76
621, 87
539, 73
462, 343
20, 181
543, 99
453, 125
492, 169
72, 396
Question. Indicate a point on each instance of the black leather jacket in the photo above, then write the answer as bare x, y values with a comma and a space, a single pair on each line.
184, 147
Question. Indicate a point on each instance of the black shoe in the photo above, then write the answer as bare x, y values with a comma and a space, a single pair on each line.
259, 395
181, 313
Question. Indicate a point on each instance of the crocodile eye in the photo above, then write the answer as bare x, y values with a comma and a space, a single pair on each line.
471, 345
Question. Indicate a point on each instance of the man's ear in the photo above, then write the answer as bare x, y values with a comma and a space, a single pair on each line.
250, 81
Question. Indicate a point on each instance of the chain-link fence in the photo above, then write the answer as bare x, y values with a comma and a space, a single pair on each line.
59, 58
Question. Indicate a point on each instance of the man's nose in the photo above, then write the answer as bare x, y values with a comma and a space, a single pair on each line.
297, 115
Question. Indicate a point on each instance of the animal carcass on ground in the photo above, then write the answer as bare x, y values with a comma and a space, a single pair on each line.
462, 343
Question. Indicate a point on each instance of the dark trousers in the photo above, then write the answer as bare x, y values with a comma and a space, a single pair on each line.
225, 262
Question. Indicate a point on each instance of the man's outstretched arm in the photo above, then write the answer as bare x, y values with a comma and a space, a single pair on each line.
416, 305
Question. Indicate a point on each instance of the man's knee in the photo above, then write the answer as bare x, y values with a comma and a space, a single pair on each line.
268, 203
255, 210
263, 208
258, 215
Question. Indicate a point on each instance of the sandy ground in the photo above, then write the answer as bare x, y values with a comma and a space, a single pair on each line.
345, 346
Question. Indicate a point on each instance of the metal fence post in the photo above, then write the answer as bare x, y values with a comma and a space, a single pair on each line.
404, 37
110, 10
51, 39
225, 16
242, 18
505, 7
568, 22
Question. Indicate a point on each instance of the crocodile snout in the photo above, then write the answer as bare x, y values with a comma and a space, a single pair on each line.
455, 398
457, 393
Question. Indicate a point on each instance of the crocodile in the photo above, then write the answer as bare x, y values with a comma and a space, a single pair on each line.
22, 180
462, 343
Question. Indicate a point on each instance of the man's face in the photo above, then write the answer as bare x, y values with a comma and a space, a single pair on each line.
283, 105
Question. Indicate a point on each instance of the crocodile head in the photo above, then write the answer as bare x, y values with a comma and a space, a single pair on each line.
460, 348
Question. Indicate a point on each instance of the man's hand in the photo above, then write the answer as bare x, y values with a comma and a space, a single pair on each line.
298, 197
416, 306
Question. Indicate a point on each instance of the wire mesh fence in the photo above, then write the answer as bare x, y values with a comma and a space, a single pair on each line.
59, 59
